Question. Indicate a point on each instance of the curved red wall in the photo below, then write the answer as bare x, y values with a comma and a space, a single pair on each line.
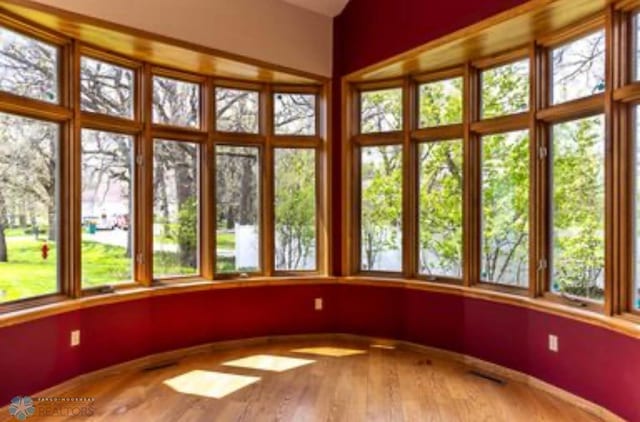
597, 364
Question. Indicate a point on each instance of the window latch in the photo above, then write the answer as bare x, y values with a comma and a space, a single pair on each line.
542, 265
542, 152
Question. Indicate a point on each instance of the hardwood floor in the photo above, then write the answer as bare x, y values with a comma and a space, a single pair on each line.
317, 381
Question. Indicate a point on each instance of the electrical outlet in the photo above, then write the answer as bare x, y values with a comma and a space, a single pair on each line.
318, 304
75, 338
553, 343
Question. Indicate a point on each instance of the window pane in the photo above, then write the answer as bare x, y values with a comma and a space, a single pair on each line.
237, 209
28, 67
381, 111
505, 89
175, 208
28, 207
381, 208
176, 103
441, 103
578, 68
295, 209
106, 88
294, 114
237, 110
107, 204
440, 208
505, 208
578, 208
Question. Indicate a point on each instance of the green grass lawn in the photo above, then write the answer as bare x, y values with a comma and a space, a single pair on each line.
27, 274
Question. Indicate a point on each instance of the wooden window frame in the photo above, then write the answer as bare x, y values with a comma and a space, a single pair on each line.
621, 94
72, 120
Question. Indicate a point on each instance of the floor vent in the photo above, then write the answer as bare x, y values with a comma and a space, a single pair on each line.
488, 377
160, 365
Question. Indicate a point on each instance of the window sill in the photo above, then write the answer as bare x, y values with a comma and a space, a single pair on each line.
32, 310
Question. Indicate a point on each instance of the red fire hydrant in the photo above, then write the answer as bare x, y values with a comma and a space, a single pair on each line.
45, 251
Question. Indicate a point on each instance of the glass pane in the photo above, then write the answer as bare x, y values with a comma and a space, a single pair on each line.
237, 209
441, 103
294, 114
440, 208
28, 207
28, 67
505, 89
578, 68
107, 205
295, 209
578, 208
381, 208
505, 209
636, 222
106, 88
381, 111
175, 208
237, 110
176, 103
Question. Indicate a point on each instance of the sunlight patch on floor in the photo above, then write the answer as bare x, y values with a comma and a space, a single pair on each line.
209, 383
269, 363
330, 351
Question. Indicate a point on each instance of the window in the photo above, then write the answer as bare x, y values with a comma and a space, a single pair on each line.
440, 208
505, 89
107, 198
237, 209
28, 67
440, 103
294, 114
381, 110
578, 208
381, 208
295, 209
505, 209
237, 110
578, 68
176, 103
176, 208
29, 170
106, 88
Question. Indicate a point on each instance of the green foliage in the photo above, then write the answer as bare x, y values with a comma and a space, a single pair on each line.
505, 208
295, 207
381, 219
441, 103
440, 208
381, 111
505, 89
578, 207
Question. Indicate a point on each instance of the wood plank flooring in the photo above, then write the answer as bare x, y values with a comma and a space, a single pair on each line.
317, 381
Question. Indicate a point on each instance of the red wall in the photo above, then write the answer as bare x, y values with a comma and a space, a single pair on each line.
594, 363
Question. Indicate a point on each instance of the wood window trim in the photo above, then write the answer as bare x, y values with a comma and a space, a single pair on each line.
537, 121
72, 120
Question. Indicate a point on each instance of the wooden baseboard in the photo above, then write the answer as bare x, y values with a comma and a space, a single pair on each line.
472, 362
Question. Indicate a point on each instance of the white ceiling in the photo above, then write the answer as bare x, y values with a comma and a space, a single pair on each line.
329, 8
